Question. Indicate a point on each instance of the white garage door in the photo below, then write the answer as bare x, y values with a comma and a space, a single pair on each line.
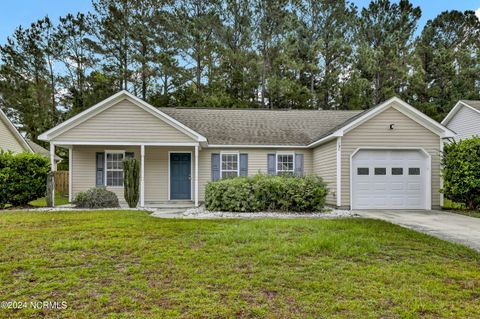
389, 179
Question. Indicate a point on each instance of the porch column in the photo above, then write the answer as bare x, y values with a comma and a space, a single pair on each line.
70, 173
52, 168
196, 176
142, 175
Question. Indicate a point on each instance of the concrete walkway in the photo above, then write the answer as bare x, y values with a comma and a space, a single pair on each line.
445, 225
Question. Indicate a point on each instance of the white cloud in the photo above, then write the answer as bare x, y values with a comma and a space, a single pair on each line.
477, 13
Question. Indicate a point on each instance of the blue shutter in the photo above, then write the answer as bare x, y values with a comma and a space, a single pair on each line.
129, 155
271, 163
100, 169
298, 164
215, 166
244, 164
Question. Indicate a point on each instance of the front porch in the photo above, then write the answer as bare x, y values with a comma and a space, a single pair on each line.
168, 171
170, 204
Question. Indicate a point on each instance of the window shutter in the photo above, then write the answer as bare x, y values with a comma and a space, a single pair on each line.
129, 155
271, 163
244, 164
298, 164
215, 166
100, 169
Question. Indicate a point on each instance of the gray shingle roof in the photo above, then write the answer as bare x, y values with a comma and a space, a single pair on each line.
40, 150
473, 103
261, 127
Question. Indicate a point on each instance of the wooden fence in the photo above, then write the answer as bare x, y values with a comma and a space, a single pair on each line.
61, 182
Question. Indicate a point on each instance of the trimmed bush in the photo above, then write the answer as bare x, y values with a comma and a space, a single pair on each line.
131, 181
98, 197
461, 172
266, 193
23, 178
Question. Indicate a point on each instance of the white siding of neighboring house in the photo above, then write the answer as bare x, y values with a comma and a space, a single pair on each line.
8, 140
466, 123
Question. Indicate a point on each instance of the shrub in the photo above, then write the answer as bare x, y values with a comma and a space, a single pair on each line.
461, 172
98, 197
266, 193
131, 181
23, 178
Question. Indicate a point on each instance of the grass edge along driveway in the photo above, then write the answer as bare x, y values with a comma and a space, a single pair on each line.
121, 264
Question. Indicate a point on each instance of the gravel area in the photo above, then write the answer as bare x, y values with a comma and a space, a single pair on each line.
71, 207
201, 212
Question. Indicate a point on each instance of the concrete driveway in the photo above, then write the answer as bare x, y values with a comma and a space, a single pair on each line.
449, 226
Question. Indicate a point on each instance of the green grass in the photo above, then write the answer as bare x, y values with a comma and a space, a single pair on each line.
60, 199
459, 208
126, 264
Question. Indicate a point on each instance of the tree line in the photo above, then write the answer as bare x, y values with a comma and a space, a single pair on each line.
314, 54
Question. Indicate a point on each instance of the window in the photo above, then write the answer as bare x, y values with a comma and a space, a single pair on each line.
114, 168
397, 171
363, 171
380, 171
229, 167
414, 171
285, 164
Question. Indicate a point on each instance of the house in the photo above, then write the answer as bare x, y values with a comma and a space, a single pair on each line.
464, 119
385, 157
11, 140
10, 137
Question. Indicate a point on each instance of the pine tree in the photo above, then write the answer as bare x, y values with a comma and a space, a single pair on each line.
385, 47
448, 53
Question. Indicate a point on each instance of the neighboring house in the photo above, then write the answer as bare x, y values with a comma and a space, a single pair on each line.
464, 119
42, 151
10, 137
12, 140
385, 157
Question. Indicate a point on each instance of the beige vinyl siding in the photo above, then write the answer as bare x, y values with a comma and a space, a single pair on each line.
84, 168
376, 133
466, 123
156, 169
257, 162
125, 122
8, 140
325, 165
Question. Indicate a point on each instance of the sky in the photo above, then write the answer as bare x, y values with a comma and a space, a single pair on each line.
23, 12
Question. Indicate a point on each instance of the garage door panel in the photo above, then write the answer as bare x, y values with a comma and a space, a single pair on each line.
363, 186
380, 186
363, 201
380, 201
398, 202
414, 186
395, 179
397, 186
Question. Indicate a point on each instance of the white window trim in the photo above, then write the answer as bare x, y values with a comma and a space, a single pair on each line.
276, 162
221, 161
106, 169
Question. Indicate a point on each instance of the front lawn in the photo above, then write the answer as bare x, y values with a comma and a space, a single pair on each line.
127, 264
60, 199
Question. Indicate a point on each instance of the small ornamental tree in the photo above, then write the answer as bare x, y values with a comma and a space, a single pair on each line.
461, 172
131, 181
23, 178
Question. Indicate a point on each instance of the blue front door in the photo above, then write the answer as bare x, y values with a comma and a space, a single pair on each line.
180, 175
